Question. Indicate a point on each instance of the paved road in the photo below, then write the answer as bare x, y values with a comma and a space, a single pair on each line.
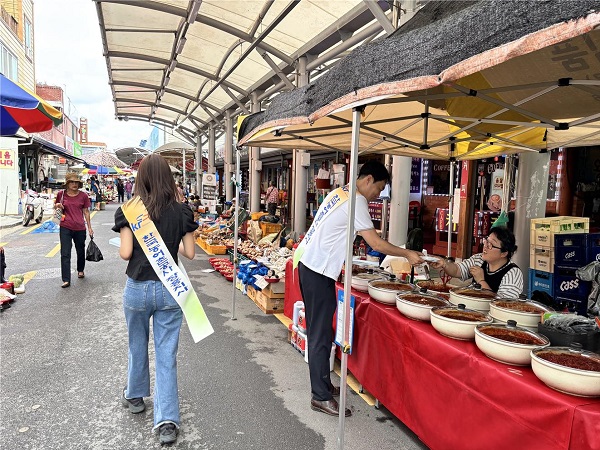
64, 360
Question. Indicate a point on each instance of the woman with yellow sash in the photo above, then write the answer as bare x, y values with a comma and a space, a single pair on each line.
153, 287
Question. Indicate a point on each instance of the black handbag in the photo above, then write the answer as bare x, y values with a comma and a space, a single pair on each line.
93, 253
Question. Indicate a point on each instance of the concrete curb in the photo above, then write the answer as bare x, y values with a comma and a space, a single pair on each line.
9, 222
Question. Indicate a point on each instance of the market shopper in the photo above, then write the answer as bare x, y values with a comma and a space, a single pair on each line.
320, 257
75, 206
146, 296
96, 197
492, 268
272, 198
128, 189
120, 191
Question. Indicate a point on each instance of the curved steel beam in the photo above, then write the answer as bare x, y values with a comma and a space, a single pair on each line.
167, 62
152, 103
161, 7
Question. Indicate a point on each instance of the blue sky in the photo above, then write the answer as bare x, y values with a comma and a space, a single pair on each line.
67, 32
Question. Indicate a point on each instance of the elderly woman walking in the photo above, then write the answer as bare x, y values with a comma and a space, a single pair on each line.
75, 217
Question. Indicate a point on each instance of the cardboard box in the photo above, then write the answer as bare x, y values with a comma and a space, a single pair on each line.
275, 290
251, 292
268, 305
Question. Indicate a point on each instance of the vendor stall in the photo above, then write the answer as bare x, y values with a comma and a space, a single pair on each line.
453, 396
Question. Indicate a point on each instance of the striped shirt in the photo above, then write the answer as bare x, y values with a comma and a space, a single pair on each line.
512, 282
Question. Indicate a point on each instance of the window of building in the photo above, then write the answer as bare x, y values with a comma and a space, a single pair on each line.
9, 64
28, 31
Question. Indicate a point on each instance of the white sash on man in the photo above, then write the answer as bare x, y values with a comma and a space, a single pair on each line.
336, 198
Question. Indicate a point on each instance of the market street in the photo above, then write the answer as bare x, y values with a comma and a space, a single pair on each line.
64, 360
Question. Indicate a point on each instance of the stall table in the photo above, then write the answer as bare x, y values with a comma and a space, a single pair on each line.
453, 396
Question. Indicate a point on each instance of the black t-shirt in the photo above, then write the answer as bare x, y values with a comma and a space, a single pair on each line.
176, 221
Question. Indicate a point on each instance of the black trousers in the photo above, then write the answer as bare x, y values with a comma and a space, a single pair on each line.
318, 292
67, 237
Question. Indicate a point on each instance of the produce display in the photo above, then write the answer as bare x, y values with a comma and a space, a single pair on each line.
17, 280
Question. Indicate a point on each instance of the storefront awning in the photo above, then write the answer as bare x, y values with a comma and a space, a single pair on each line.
50, 147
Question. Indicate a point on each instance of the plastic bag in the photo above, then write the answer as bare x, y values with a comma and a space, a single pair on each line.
93, 253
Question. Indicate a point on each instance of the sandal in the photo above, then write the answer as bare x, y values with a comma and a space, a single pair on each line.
66, 284
80, 275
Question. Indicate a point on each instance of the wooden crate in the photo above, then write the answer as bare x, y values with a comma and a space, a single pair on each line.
268, 305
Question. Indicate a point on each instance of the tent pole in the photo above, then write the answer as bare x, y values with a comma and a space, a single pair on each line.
183, 169
238, 185
356, 112
509, 165
451, 196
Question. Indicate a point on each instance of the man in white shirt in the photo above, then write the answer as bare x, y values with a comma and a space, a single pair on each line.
320, 265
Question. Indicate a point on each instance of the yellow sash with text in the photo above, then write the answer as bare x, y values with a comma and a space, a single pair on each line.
173, 276
336, 198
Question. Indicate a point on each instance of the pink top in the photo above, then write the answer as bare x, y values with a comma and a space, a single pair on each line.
272, 195
73, 210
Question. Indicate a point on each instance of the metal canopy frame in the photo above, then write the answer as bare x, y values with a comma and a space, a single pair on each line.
320, 135
156, 75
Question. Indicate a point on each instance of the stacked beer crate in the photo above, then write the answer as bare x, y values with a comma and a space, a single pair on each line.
559, 246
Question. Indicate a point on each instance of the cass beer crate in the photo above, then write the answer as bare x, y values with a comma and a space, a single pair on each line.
566, 283
541, 258
543, 230
541, 281
572, 303
593, 247
571, 249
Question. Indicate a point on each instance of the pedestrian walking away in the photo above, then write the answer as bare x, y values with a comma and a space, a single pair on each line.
75, 206
145, 297
120, 190
96, 197
319, 259
272, 198
128, 189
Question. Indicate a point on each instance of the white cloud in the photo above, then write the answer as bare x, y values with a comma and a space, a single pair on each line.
68, 53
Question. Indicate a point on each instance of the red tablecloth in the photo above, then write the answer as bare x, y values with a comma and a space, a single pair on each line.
292, 289
454, 397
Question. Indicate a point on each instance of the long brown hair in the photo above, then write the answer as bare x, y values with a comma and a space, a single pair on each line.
155, 185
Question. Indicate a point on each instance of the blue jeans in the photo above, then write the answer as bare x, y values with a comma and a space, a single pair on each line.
143, 300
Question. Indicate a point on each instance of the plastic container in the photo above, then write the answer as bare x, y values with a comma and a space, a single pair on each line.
302, 321
571, 250
567, 283
297, 307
